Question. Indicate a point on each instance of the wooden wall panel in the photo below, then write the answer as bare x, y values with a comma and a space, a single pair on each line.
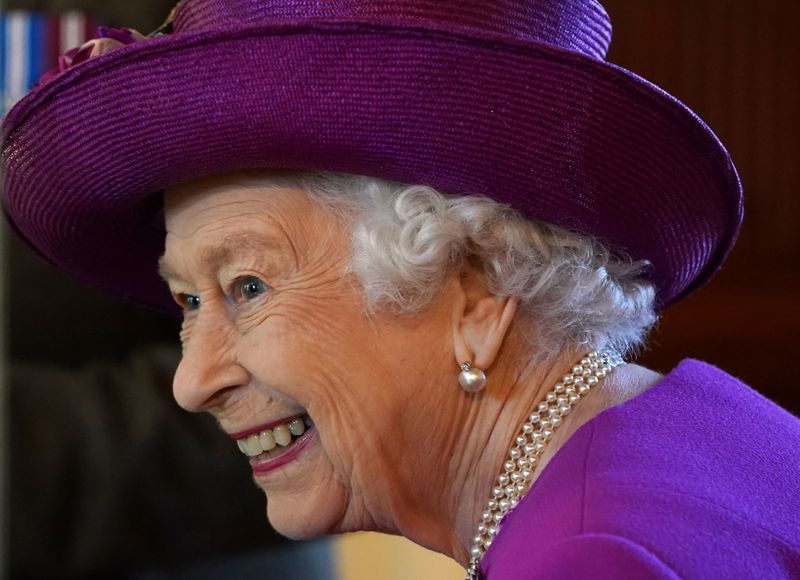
735, 62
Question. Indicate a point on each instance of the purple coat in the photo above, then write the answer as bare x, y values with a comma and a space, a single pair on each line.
698, 477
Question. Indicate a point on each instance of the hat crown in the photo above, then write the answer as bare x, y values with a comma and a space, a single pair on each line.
581, 26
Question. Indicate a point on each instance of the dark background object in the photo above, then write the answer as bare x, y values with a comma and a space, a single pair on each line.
109, 477
736, 64
143, 15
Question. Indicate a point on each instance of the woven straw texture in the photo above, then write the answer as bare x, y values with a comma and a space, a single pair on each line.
505, 99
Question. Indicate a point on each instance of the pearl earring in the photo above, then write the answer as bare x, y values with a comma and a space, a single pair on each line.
471, 379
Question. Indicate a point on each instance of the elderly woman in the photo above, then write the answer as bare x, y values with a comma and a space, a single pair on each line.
413, 243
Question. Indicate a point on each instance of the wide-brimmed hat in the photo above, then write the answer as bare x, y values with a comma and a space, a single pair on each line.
504, 98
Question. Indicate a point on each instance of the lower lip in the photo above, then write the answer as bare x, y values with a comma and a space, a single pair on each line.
265, 466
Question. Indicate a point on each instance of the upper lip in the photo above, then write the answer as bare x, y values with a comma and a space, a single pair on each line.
259, 428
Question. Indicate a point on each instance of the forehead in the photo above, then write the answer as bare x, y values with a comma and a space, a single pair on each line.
240, 199
224, 215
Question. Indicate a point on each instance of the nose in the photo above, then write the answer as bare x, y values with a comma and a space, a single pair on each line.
208, 372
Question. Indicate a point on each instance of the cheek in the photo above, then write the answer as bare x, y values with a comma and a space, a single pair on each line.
320, 353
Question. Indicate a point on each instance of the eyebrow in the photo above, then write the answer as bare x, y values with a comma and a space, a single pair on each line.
232, 246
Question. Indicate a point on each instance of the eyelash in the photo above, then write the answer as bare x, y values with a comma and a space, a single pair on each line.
191, 302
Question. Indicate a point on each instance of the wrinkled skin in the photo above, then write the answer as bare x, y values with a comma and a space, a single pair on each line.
398, 446
305, 343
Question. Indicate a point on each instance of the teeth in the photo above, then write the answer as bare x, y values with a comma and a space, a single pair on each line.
253, 446
282, 435
267, 440
296, 427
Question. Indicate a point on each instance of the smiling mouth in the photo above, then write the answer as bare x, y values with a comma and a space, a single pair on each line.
269, 443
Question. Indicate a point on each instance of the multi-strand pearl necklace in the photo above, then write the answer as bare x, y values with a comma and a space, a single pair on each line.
517, 472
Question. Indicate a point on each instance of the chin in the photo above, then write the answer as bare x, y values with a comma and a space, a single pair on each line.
306, 511
297, 524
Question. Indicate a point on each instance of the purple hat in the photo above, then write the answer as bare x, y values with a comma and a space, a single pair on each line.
505, 98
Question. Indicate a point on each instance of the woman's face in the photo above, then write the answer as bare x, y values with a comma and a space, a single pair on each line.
273, 330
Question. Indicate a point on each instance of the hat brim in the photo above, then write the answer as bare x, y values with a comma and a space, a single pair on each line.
564, 138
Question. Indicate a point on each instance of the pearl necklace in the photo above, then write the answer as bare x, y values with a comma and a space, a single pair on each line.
517, 472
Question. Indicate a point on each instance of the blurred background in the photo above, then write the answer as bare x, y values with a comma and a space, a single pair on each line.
105, 477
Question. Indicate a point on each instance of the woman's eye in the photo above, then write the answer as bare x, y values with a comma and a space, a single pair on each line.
251, 287
190, 301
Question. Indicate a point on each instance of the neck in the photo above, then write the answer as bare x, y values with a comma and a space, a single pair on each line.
501, 416
471, 458
493, 424
452, 481
489, 422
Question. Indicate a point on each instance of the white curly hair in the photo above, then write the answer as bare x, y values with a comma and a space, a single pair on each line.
573, 291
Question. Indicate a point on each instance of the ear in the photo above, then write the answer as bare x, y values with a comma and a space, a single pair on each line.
480, 320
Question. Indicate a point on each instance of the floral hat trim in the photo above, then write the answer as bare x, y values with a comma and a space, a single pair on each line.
106, 40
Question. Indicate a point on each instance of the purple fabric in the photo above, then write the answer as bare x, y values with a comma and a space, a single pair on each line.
505, 99
699, 477
581, 26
